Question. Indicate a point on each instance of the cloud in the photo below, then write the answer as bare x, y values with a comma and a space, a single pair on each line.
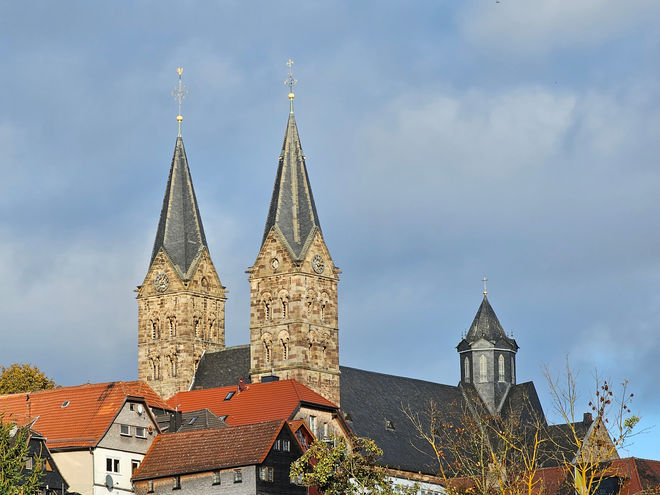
528, 28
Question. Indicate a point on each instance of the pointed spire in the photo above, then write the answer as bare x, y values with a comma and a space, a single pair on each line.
180, 231
292, 210
486, 325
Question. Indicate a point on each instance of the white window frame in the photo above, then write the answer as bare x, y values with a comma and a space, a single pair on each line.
126, 433
238, 476
115, 466
138, 429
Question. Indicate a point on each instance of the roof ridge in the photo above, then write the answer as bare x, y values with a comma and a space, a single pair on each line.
399, 376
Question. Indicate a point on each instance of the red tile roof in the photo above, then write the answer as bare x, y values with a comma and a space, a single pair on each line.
207, 450
257, 402
89, 413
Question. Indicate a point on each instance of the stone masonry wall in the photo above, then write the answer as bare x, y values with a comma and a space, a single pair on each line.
293, 317
178, 321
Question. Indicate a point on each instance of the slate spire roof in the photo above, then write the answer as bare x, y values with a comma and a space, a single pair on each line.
292, 210
180, 231
486, 325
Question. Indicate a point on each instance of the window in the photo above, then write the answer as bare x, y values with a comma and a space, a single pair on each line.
284, 308
500, 368
483, 370
267, 311
140, 432
285, 350
29, 463
111, 465
223, 418
238, 476
229, 395
125, 430
134, 465
173, 366
278, 444
323, 312
312, 424
193, 420
466, 369
325, 430
266, 473
216, 477
150, 486
286, 445
176, 483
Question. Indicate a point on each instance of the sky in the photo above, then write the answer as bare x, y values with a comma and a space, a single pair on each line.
445, 141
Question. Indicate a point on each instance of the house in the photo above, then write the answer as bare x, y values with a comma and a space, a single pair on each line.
273, 400
627, 476
251, 458
97, 433
52, 481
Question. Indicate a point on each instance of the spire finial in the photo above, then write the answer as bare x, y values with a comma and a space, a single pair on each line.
484, 280
179, 94
291, 82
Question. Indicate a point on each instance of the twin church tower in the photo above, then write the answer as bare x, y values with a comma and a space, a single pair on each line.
293, 285
294, 330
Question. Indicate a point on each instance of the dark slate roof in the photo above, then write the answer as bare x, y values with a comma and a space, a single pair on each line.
223, 368
373, 404
523, 401
180, 231
486, 325
202, 419
564, 441
292, 210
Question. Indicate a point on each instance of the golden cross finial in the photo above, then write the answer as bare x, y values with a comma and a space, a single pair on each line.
291, 82
179, 93
484, 280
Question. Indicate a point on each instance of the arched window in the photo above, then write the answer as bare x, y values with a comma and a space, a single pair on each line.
500, 368
483, 369
268, 346
155, 329
466, 369
285, 350
155, 363
173, 366
267, 310
284, 308
172, 324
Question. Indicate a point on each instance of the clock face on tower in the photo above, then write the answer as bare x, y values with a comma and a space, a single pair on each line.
161, 282
318, 264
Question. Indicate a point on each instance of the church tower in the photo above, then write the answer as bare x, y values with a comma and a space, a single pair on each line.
294, 329
181, 303
488, 357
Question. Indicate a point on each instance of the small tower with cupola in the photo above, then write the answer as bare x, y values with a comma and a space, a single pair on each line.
488, 357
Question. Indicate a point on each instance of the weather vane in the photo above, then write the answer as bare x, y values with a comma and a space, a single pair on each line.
484, 280
291, 82
179, 93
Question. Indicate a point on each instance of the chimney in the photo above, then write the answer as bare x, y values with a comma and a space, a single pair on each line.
586, 418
